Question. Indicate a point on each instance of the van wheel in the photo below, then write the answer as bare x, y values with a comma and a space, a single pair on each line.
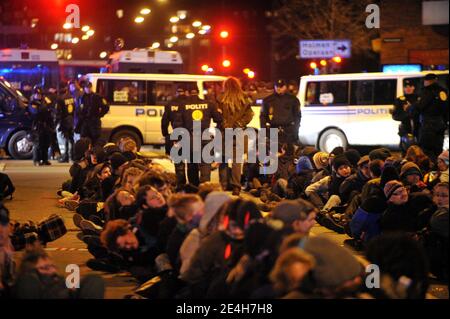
19, 146
116, 137
330, 139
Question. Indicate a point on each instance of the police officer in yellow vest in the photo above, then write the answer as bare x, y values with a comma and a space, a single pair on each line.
432, 109
65, 109
197, 110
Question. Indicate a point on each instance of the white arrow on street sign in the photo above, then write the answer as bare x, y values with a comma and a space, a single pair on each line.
325, 48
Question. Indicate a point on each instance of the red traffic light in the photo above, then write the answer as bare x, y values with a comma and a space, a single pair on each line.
224, 34
226, 63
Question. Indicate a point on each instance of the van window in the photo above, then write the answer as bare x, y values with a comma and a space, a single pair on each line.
327, 93
123, 92
7, 104
164, 92
373, 92
418, 82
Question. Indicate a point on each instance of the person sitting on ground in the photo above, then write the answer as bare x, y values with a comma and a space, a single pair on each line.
209, 223
411, 176
434, 237
131, 178
402, 213
188, 209
125, 240
221, 249
93, 187
416, 155
443, 164
403, 266
38, 278
328, 187
354, 184
120, 205
321, 161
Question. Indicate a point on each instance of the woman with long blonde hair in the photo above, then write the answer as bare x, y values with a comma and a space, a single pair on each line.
236, 110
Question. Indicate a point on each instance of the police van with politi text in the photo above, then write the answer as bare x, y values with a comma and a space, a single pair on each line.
354, 109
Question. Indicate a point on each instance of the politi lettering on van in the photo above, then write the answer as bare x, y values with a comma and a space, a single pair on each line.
151, 112
368, 111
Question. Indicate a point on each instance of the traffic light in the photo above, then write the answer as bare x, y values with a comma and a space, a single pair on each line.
205, 67
337, 59
224, 34
226, 63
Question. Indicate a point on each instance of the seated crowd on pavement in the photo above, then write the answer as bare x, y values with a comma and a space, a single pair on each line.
186, 241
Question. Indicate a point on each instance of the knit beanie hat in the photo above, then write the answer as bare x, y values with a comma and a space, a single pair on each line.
353, 156
389, 174
339, 150
363, 160
410, 168
379, 153
117, 160
391, 187
320, 160
444, 157
303, 164
335, 265
213, 202
339, 161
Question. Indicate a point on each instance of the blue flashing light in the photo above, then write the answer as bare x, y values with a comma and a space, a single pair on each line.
394, 68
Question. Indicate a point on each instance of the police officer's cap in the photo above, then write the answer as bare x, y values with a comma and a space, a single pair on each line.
409, 83
280, 83
430, 77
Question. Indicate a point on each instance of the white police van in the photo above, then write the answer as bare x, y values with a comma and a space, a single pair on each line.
354, 109
137, 101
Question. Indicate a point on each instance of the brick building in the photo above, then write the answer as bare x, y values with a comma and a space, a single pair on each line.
414, 32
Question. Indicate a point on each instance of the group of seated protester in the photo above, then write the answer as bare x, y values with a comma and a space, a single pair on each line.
201, 242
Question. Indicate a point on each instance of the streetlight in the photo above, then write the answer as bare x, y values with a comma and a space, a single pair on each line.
174, 19
85, 28
145, 11
313, 65
103, 54
84, 37
75, 40
246, 71
337, 59
202, 32
182, 15
155, 45
173, 39
67, 26
170, 45
206, 27
205, 67
54, 46
90, 33
196, 24
251, 75
323, 62
139, 19
190, 35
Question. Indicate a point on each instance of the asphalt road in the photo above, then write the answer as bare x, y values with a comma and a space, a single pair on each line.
35, 198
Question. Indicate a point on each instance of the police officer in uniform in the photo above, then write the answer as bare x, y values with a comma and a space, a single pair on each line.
76, 93
173, 116
197, 110
42, 126
92, 108
65, 109
282, 110
432, 109
409, 127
